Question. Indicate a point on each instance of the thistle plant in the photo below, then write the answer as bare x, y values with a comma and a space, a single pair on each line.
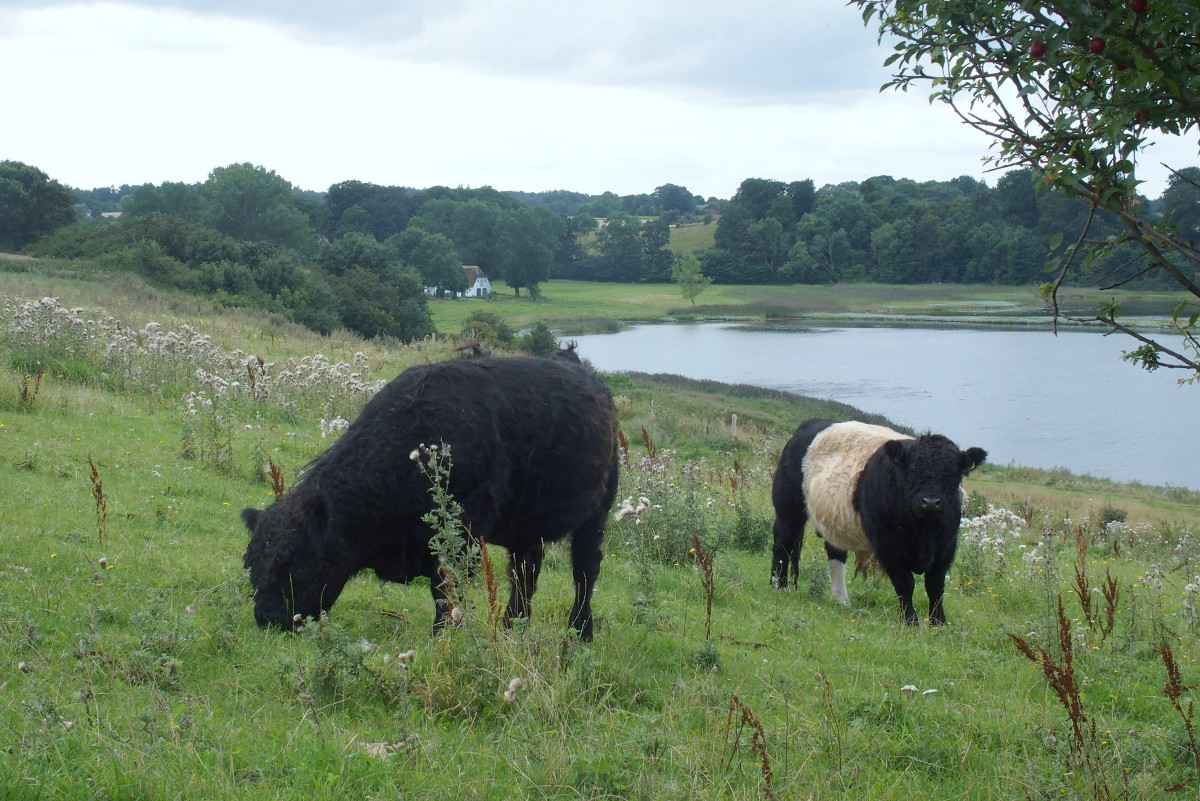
449, 543
1191, 604
207, 431
985, 547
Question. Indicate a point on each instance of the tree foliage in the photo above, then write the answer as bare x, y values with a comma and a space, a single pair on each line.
31, 205
687, 275
1075, 89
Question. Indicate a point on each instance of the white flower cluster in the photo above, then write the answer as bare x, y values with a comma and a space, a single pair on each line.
993, 529
333, 383
1191, 599
158, 357
45, 322
333, 427
402, 658
628, 508
197, 402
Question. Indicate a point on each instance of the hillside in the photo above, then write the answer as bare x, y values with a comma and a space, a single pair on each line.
136, 670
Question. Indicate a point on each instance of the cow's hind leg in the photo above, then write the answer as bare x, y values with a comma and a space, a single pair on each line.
525, 565
837, 574
785, 559
441, 602
585, 567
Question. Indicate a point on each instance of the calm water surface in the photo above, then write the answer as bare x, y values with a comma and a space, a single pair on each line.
1027, 397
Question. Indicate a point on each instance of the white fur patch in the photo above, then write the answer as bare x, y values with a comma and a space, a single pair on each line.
832, 465
837, 582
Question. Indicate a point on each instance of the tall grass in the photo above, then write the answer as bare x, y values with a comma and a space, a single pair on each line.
130, 665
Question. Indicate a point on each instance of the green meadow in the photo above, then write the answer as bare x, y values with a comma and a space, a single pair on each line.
587, 307
134, 429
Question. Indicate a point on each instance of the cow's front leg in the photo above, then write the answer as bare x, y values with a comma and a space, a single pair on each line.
903, 583
935, 587
525, 564
837, 574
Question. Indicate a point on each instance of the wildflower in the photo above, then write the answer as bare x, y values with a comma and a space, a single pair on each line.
456, 615
103, 562
909, 688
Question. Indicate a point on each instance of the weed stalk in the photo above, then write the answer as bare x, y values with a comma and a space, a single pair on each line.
101, 503
744, 718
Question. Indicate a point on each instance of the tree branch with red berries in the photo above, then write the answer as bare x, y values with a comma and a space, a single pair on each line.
1076, 90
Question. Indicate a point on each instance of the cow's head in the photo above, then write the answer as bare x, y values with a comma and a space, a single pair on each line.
931, 470
293, 569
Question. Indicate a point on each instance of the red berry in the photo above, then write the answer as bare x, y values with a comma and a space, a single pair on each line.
1097, 45
1138, 6
1121, 66
1159, 45
1037, 50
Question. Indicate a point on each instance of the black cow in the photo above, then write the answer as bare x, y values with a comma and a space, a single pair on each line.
534, 458
872, 490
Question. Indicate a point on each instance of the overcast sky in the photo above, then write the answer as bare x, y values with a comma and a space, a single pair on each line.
527, 95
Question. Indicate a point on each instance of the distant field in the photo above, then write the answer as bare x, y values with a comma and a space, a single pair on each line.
574, 306
692, 237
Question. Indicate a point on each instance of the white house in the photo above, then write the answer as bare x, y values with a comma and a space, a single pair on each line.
478, 284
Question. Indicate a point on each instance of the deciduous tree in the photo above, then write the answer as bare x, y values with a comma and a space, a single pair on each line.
1075, 89
31, 204
687, 275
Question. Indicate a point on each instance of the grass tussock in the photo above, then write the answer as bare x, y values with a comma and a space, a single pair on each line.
130, 665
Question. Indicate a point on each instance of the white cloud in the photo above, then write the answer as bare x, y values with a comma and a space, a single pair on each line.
531, 95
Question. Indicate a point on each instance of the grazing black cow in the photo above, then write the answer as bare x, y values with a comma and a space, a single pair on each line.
872, 490
534, 449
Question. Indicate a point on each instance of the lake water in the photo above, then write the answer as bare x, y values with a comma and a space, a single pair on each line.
1027, 397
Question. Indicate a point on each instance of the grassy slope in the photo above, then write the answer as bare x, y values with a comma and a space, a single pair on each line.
145, 677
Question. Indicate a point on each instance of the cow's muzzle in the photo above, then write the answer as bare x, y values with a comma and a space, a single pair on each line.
931, 507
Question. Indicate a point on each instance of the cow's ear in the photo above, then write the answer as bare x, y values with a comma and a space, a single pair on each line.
250, 517
894, 450
972, 458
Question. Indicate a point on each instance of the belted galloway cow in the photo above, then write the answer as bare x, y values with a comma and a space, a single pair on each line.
870, 489
533, 445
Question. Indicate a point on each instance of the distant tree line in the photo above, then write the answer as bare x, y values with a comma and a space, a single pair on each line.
360, 255
890, 230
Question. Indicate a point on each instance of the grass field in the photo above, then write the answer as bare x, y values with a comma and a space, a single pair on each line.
583, 306
131, 668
